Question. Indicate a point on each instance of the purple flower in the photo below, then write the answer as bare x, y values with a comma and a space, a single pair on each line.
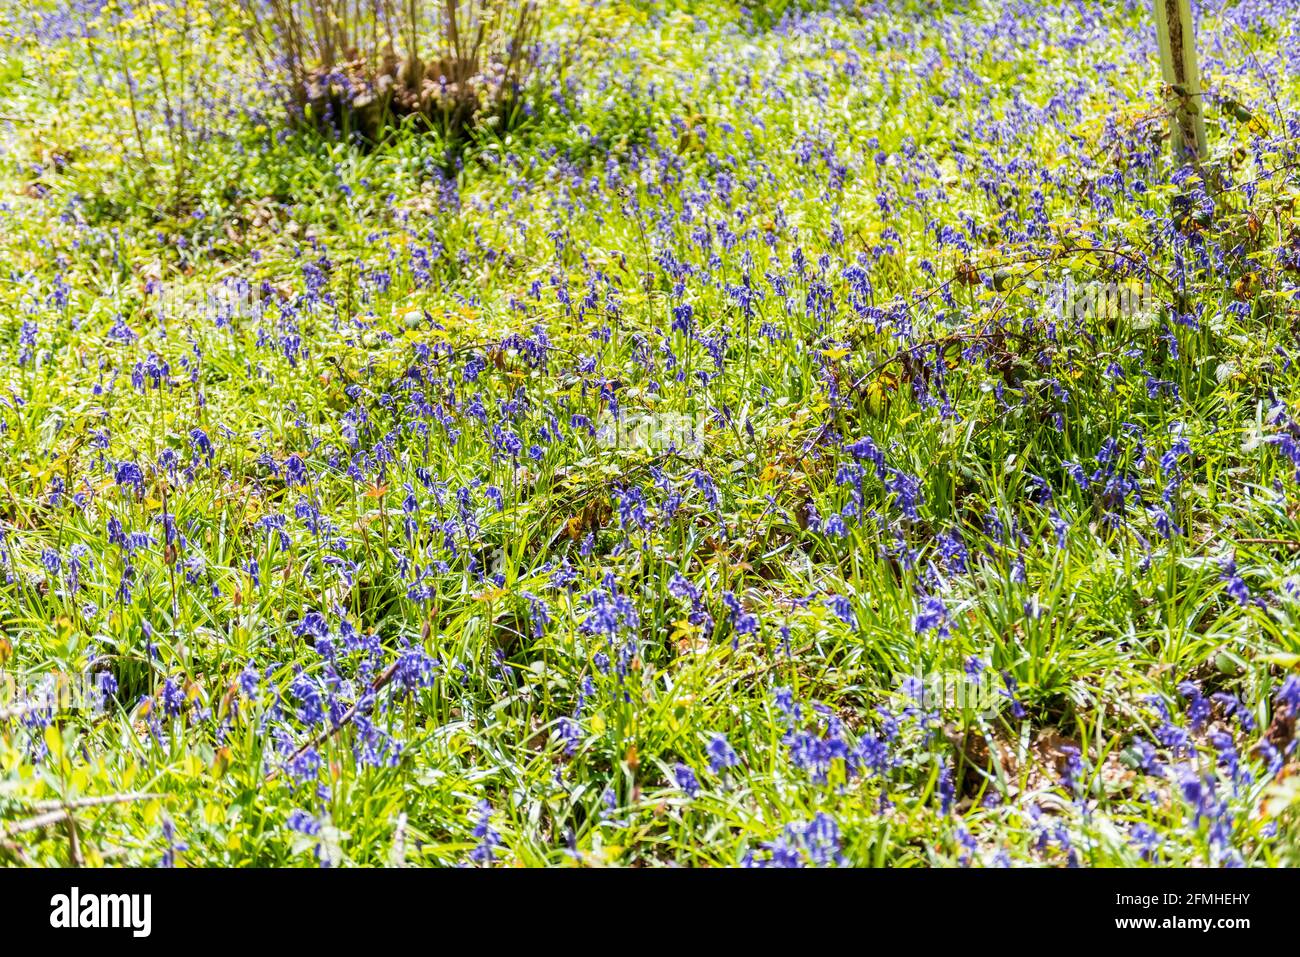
815, 843
721, 754
415, 669
1072, 773
968, 845
947, 789
488, 839
303, 823
686, 780
1289, 695
295, 473
201, 444
173, 845
1146, 839
742, 622
1235, 587
173, 698
1232, 705
305, 767
1009, 692
933, 616
129, 474
569, 732
843, 609
1198, 707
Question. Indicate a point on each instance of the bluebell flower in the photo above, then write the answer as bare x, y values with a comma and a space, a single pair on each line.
569, 733
303, 822
128, 474
932, 616
686, 780
1235, 587
843, 609
1289, 695
816, 843
415, 668
1198, 707
173, 697
721, 754
1146, 839
488, 839
742, 622
173, 845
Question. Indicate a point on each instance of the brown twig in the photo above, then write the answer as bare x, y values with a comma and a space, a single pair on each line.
74, 841
54, 812
100, 801
35, 823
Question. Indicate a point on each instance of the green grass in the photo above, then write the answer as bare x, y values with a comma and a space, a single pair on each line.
419, 331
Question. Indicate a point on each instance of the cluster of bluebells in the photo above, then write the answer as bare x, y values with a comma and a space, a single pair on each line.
381, 502
816, 843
